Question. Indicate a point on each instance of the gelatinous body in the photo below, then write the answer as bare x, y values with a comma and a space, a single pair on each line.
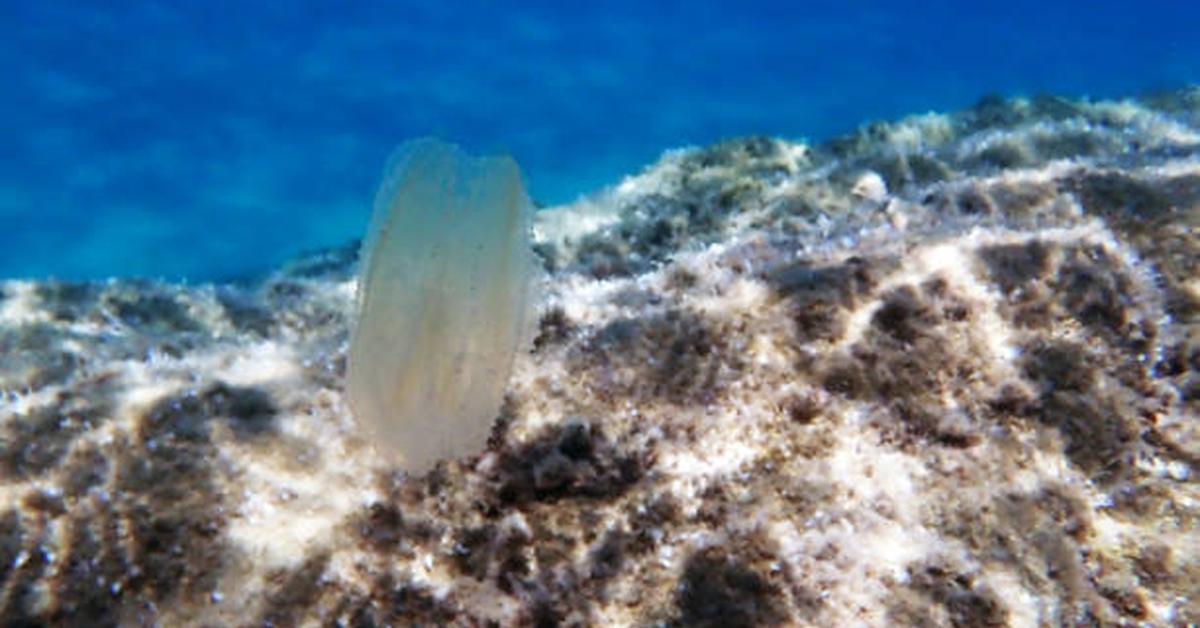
444, 302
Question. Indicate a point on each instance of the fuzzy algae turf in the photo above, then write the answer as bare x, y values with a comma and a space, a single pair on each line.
942, 371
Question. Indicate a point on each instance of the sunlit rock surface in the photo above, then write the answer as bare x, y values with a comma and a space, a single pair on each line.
945, 371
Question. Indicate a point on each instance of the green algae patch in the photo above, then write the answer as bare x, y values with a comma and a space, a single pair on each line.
444, 302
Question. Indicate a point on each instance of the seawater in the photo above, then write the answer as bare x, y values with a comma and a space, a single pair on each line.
212, 140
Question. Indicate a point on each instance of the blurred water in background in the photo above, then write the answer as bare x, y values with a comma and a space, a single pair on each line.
214, 139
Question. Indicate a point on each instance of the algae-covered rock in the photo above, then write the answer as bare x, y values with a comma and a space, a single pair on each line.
944, 371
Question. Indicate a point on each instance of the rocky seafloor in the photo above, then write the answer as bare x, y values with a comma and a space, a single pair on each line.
943, 372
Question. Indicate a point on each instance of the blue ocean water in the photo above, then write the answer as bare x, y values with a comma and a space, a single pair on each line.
212, 140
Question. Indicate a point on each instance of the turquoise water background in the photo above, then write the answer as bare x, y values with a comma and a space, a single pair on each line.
212, 140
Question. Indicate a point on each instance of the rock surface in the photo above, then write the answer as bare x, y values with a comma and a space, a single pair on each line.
945, 371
